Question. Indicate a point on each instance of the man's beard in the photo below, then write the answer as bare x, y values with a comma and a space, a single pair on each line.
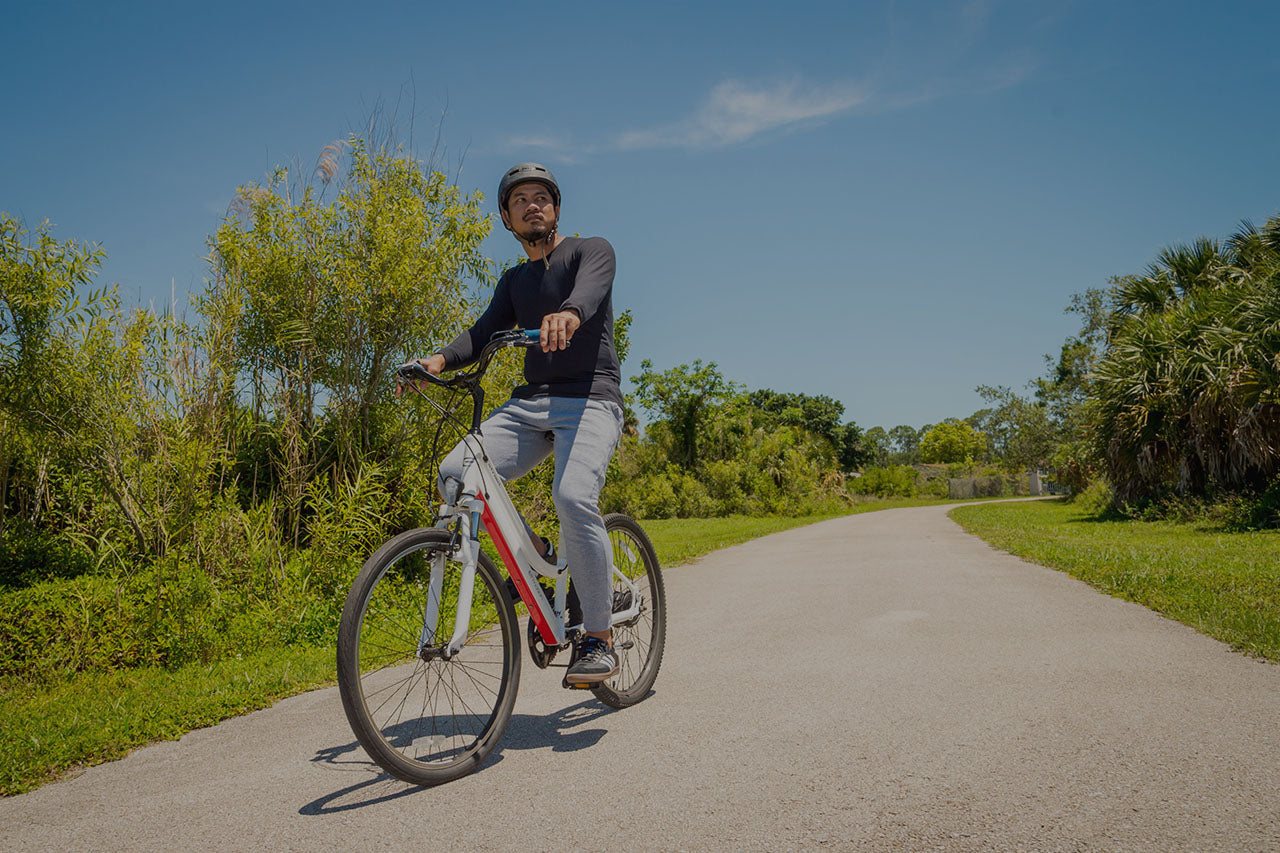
532, 232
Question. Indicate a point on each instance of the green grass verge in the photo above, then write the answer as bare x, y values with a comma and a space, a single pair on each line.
100, 716
46, 730
1226, 585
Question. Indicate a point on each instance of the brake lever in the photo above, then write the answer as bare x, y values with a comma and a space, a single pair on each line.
413, 370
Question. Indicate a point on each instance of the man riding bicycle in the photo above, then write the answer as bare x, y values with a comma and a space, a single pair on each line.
571, 400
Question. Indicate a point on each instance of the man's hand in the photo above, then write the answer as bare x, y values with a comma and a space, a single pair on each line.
557, 329
433, 363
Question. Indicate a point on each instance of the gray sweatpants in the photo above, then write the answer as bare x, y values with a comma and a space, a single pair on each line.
586, 433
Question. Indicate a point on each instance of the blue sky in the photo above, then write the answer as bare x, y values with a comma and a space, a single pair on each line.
886, 202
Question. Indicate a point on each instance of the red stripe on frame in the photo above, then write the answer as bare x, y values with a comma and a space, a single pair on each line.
513, 569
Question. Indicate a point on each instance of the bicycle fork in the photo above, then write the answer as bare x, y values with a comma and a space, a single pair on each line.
468, 552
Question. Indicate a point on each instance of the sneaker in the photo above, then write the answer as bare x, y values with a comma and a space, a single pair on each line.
595, 661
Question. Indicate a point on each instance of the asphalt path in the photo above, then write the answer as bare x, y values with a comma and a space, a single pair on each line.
880, 681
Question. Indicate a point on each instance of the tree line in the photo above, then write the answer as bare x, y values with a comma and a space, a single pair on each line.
177, 488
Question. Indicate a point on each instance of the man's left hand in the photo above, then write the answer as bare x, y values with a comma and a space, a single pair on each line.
557, 329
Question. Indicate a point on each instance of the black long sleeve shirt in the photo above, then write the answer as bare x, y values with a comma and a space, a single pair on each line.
580, 277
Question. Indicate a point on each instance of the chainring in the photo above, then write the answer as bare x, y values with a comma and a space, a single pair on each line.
538, 650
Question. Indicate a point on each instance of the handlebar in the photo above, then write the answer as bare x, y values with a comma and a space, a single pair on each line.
414, 370
471, 381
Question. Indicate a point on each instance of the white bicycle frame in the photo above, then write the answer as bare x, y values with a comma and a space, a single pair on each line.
479, 499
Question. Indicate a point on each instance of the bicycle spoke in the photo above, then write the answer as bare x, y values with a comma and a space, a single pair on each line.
408, 678
418, 673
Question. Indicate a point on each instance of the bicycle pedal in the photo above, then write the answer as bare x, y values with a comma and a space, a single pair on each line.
567, 685
622, 647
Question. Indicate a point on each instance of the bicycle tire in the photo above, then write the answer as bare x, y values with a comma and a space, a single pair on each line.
634, 556
426, 720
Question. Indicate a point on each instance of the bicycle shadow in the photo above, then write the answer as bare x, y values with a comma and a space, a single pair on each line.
560, 732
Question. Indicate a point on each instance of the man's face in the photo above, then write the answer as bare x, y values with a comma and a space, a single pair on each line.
531, 211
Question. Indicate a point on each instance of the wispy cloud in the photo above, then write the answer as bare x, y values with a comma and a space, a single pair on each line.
548, 147
537, 142
735, 112
930, 52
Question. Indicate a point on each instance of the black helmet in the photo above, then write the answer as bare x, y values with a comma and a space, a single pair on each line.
522, 174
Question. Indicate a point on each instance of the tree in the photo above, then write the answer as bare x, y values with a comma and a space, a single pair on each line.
952, 441
682, 398
819, 415
109, 409
319, 300
1066, 387
1186, 396
851, 448
906, 443
59, 382
876, 442
1019, 431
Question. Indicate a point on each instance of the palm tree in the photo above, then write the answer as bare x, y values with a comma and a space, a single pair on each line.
1187, 395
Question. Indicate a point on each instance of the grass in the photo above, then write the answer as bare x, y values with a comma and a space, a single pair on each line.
100, 716
1226, 585
93, 717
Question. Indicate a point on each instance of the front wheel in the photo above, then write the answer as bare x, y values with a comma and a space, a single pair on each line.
640, 640
425, 716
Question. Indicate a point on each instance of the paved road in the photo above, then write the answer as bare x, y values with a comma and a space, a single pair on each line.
882, 682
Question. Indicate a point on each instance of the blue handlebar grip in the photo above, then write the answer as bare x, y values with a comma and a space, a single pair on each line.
533, 334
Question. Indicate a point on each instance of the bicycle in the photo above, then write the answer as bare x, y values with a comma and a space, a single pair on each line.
429, 643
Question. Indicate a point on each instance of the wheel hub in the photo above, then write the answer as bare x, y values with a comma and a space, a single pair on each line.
430, 653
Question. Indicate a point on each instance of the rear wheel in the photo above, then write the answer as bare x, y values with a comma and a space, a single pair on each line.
640, 640
423, 716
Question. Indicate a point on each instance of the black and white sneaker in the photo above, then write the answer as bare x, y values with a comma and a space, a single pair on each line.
594, 662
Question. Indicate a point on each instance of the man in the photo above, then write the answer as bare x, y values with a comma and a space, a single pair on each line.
572, 399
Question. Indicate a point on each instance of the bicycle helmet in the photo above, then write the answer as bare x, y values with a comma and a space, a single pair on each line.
523, 173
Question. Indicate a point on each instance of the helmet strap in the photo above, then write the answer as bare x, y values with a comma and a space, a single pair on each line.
548, 245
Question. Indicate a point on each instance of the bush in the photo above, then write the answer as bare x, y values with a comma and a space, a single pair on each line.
1074, 466
732, 484
898, 481
29, 555
670, 494
173, 612
1095, 499
1233, 511
1263, 511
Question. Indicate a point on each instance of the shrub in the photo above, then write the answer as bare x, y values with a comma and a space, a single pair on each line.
31, 555
1234, 511
1095, 499
174, 612
1264, 512
897, 481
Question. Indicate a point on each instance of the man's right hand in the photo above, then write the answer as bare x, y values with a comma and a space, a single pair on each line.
434, 364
